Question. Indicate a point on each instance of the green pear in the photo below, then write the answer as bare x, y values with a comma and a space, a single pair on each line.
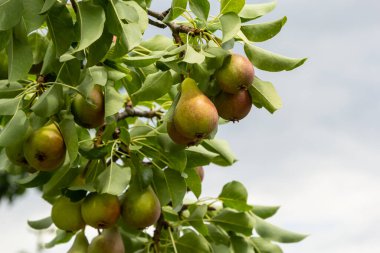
15, 154
233, 107
195, 116
80, 244
109, 241
89, 115
141, 209
236, 74
177, 137
45, 149
101, 210
66, 215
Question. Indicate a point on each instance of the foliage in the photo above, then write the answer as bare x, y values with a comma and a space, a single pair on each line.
51, 51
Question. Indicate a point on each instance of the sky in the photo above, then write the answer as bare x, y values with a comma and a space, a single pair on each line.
317, 157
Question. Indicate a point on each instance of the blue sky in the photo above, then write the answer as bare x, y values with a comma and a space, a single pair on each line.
319, 156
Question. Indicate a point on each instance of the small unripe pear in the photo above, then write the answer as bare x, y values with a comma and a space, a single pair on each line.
236, 74
89, 115
45, 148
101, 210
233, 107
66, 215
109, 241
15, 154
80, 244
195, 116
141, 209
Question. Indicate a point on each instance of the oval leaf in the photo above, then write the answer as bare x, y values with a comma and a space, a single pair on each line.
230, 25
264, 31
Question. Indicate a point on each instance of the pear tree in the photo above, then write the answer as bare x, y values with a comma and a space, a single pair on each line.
114, 124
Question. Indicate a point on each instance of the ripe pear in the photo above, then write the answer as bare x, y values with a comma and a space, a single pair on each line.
141, 209
236, 74
179, 138
101, 210
109, 241
200, 172
195, 116
233, 107
89, 115
66, 215
80, 244
45, 149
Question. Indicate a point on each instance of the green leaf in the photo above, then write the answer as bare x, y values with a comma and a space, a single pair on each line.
91, 23
41, 224
274, 233
155, 86
193, 181
221, 147
157, 43
265, 212
266, 60
230, 25
70, 71
265, 246
14, 130
94, 75
70, 136
114, 101
142, 15
99, 49
178, 7
235, 195
62, 178
141, 61
35, 180
169, 186
253, 11
11, 12
231, 6
20, 57
47, 5
265, 95
242, 244
61, 28
217, 235
196, 218
191, 242
31, 14
234, 221
4, 38
113, 180
193, 56
39, 46
8, 106
50, 102
60, 238
201, 8
199, 156
264, 31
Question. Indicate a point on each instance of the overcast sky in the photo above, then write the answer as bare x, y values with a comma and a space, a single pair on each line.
319, 156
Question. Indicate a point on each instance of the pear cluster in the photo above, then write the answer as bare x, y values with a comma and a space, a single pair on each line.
139, 209
196, 117
42, 150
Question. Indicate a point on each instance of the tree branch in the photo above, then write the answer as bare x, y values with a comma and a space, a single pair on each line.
131, 112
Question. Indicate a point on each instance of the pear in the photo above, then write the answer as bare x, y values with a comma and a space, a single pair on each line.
236, 74
141, 209
195, 116
89, 115
45, 149
15, 154
179, 138
101, 210
80, 244
66, 215
233, 107
109, 241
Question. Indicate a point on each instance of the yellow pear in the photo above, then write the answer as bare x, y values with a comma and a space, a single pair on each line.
195, 116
